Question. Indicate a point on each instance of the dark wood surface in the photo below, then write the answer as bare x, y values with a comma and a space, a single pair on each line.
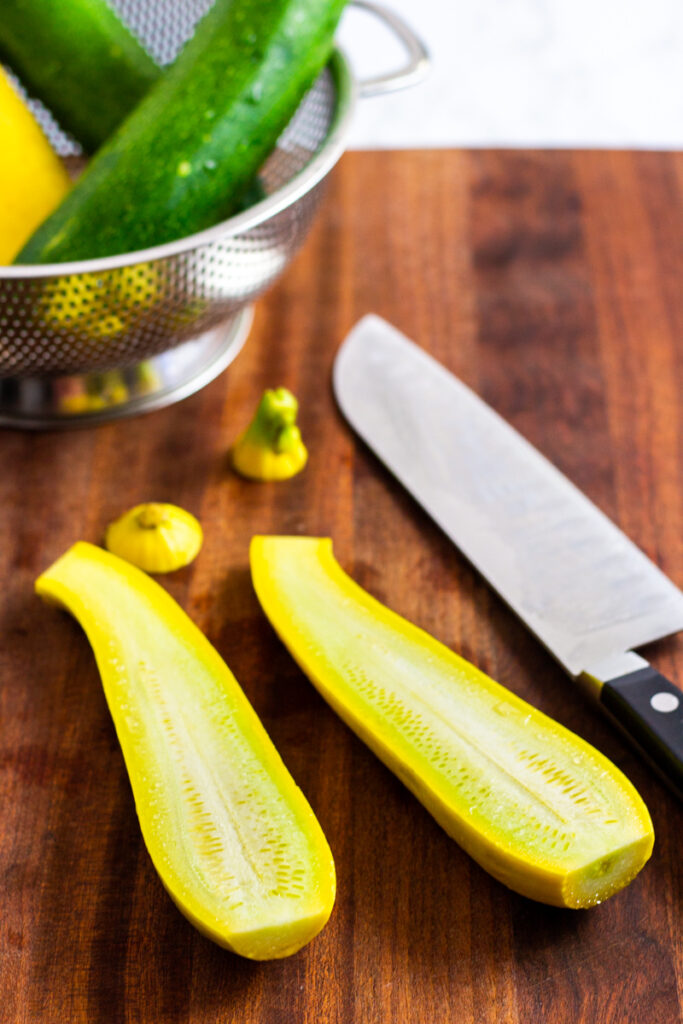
550, 282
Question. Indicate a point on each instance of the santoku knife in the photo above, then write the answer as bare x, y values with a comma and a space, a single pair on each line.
587, 592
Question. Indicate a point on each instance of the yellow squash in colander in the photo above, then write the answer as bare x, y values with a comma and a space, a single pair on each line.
537, 807
32, 179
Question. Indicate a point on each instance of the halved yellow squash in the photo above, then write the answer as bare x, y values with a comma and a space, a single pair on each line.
232, 836
538, 807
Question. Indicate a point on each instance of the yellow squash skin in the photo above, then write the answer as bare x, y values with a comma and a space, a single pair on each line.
32, 179
103, 305
536, 806
231, 835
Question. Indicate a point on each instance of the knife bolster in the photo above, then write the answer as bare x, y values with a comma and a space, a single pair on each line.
649, 708
615, 667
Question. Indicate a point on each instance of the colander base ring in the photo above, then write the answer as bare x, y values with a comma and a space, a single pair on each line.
48, 403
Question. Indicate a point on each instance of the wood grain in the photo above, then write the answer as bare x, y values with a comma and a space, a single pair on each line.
551, 283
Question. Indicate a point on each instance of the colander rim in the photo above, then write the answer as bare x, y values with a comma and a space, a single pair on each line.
308, 177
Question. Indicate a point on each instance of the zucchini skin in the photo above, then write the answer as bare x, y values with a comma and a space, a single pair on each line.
183, 159
80, 60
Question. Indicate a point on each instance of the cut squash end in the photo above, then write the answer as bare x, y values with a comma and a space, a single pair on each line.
606, 875
269, 942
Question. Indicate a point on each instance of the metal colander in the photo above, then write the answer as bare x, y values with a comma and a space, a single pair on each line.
109, 337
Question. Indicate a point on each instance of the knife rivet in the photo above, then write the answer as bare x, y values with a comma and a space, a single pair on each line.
664, 702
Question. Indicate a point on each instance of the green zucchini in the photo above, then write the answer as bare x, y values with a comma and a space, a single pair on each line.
538, 807
230, 833
79, 59
184, 158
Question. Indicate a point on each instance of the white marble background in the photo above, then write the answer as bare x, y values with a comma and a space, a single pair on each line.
527, 73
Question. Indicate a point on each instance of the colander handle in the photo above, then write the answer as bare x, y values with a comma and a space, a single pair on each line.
418, 62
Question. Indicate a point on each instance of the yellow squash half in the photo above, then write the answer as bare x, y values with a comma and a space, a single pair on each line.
538, 807
233, 839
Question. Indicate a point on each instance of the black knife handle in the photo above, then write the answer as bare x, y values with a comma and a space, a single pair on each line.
650, 709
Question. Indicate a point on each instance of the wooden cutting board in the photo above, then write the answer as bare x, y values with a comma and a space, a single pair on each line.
548, 281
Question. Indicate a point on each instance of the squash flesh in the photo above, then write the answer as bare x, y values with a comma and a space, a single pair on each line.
231, 835
536, 806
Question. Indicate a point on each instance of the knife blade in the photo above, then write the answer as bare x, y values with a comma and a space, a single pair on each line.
582, 587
